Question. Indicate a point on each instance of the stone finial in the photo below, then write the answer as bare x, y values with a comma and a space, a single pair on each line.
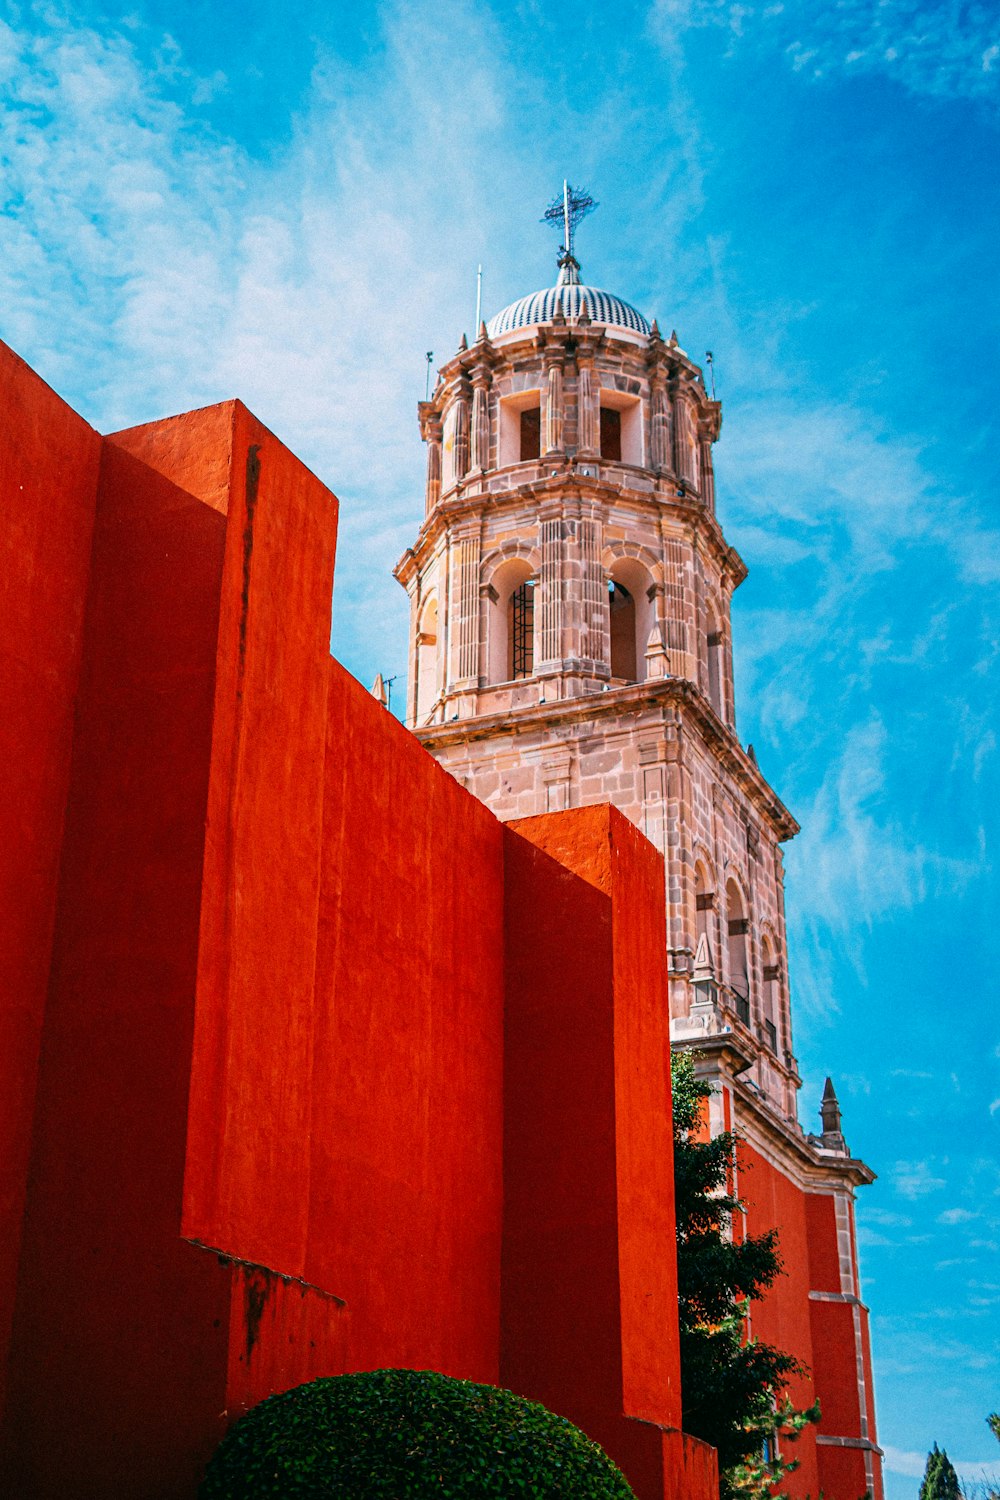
832, 1137
656, 654
672, 341
654, 332
463, 344
482, 335
380, 691
703, 965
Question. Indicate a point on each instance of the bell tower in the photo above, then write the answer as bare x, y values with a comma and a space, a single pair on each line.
570, 643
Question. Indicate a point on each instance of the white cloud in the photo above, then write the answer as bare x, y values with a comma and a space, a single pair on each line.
956, 1216
926, 48
916, 1179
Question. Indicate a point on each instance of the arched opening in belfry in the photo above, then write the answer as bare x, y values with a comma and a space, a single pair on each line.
738, 927
713, 661
770, 994
511, 622
631, 618
621, 606
427, 660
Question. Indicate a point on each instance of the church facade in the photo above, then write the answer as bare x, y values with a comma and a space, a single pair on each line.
570, 593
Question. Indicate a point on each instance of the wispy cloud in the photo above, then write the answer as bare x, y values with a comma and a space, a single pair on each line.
931, 49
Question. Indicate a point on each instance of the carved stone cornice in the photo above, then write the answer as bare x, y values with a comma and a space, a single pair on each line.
657, 693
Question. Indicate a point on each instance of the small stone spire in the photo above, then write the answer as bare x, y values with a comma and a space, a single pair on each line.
829, 1110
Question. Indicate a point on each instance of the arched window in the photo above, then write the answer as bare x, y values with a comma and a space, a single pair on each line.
631, 618
623, 642
737, 927
427, 660
771, 995
510, 628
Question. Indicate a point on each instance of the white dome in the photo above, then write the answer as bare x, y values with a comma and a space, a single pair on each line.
569, 298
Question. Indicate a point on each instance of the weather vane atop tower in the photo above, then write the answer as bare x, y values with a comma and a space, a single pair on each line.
572, 205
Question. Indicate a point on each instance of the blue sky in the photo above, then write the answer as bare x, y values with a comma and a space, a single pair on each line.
289, 204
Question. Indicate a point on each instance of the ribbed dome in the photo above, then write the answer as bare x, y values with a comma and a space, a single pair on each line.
570, 298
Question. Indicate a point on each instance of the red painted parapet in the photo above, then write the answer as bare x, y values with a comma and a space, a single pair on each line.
589, 1303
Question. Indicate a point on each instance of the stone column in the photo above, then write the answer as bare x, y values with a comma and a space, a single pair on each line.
677, 627
548, 597
432, 437
660, 425
707, 481
465, 610
462, 432
480, 419
553, 435
588, 437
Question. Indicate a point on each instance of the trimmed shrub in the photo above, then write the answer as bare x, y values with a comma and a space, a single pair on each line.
401, 1434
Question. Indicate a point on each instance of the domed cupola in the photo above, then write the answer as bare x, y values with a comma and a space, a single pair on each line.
572, 299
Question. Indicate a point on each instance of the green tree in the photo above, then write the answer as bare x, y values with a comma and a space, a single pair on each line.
734, 1388
940, 1482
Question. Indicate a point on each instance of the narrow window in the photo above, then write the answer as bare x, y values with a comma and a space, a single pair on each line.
623, 653
770, 997
611, 433
739, 969
531, 433
714, 650
521, 630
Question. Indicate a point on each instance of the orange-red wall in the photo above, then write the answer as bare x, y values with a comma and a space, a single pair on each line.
267, 1138
48, 478
98, 1338
782, 1317
590, 1277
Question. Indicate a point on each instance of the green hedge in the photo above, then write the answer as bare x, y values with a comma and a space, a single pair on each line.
399, 1434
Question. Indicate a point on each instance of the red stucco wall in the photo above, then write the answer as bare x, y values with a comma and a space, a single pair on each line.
782, 1317
291, 962
48, 481
589, 1301
117, 1344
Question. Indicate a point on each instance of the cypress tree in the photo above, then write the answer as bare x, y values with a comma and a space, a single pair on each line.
940, 1482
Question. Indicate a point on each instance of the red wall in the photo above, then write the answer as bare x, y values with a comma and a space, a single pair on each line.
589, 1264
782, 1317
48, 482
112, 1382
291, 961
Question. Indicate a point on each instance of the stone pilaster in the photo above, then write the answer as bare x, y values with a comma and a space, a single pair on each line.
587, 407
707, 477
676, 609
462, 433
660, 434
432, 430
553, 435
465, 611
480, 453
548, 596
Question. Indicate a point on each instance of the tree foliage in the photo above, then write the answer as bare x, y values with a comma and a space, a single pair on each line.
405, 1434
940, 1482
734, 1388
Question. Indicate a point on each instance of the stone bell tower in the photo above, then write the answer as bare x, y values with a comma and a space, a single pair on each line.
570, 592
